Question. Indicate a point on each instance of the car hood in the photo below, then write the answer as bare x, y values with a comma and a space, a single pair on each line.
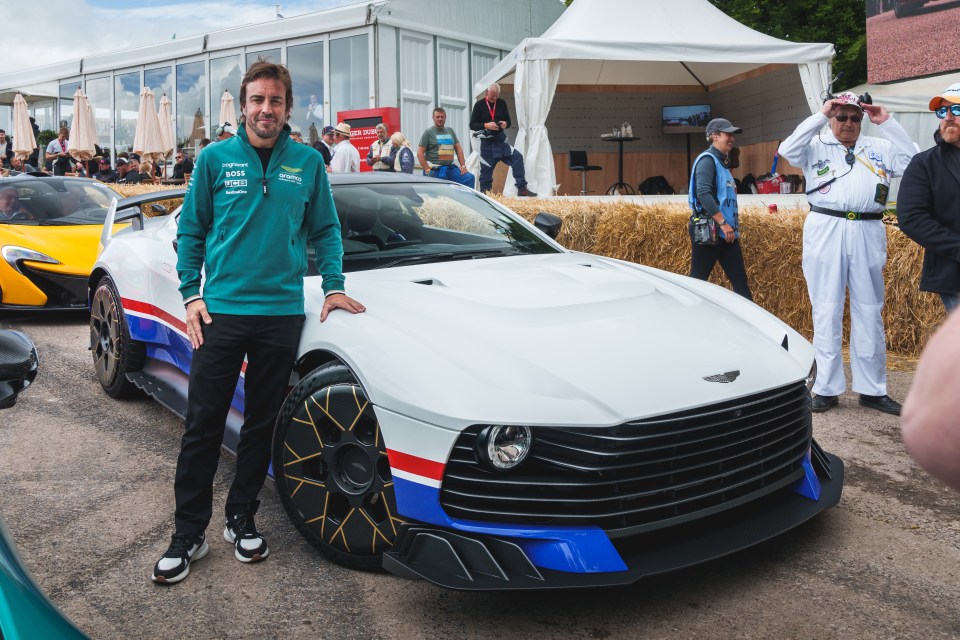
75, 246
561, 339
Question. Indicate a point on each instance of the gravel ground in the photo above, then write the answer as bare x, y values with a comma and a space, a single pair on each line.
86, 492
913, 46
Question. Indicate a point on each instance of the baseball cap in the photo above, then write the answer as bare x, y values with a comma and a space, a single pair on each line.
951, 96
327, 129
722, 124
104, 161
849, 98
121, 162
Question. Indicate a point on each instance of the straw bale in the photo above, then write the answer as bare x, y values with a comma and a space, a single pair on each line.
656, 235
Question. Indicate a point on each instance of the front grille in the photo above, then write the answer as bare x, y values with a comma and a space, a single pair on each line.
643, 475
61, 290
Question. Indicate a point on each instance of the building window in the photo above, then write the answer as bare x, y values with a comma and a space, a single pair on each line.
349, 74
98, 94
66, 103
43, 115
191, 104
160, 82
305, 63
126, 105
270, 55
225, 75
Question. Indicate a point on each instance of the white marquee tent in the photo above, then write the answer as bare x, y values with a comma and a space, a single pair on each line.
637, 42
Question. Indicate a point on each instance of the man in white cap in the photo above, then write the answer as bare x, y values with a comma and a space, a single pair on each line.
845, 242
346, 158
927, 203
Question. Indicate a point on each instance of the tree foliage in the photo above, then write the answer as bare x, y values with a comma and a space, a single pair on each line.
840, 22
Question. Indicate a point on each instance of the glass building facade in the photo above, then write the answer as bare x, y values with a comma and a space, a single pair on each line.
332, 71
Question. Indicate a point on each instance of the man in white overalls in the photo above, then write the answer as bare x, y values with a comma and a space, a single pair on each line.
844, 241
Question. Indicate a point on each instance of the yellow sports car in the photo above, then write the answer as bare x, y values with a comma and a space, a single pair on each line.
49, 233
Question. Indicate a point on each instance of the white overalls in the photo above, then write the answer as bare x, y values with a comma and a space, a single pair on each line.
839, 253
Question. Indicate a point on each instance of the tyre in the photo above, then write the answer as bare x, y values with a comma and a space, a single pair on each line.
331, 469
114, 353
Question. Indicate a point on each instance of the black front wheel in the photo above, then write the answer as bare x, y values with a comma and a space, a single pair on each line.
331, 469
114, 353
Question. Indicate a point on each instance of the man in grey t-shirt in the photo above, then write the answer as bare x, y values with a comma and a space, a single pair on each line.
438, 148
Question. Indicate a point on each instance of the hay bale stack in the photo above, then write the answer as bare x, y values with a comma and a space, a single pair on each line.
127, 190
656, 235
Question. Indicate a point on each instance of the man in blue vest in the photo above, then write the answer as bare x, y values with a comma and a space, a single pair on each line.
713, 194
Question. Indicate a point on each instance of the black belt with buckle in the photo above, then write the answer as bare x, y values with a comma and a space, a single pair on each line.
849, 215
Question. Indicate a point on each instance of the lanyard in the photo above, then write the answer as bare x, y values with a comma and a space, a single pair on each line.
492, 110
871, 168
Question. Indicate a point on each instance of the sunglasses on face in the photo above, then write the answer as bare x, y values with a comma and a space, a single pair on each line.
942, 111
854, 119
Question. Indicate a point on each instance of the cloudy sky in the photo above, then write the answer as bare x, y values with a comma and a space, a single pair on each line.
40, 32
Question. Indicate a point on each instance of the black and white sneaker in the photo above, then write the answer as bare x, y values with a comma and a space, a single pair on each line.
184, 549
248, 544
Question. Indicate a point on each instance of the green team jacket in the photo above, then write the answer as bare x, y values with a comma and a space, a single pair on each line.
251, 229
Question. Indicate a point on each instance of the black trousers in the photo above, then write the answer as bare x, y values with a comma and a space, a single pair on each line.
494, 150
270, 346
728, 254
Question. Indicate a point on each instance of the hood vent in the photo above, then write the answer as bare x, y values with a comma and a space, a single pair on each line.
430, 282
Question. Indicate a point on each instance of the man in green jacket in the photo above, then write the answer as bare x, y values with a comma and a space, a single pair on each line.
253, 203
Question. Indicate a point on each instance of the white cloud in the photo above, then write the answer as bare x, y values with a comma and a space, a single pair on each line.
51, 31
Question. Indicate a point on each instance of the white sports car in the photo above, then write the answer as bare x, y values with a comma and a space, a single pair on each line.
507, 414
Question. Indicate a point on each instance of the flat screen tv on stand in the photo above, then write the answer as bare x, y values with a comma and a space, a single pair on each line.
686, 118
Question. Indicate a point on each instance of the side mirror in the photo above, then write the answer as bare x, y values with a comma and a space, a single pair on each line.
548, 223
158, 209
18, 366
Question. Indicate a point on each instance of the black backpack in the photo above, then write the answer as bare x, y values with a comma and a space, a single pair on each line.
656, 186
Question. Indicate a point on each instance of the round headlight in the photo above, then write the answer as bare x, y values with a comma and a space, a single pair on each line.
503, 447
812, 376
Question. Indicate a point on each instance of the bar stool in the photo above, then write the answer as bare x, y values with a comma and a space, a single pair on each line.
578, 162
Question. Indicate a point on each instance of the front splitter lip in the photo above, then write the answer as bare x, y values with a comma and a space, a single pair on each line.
469, 562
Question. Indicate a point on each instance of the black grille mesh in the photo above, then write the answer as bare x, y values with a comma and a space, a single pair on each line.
643, 475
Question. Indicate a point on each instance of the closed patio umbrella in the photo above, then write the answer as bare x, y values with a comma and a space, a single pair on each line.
227, 112
166, 125
166, 130
83, 134
198, 132
146, 139
24, 143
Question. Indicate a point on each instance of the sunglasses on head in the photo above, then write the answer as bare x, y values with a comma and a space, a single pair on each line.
942, 111
843, 118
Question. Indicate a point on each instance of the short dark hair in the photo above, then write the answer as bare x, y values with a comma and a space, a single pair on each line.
440, 110
264, 69
2, 131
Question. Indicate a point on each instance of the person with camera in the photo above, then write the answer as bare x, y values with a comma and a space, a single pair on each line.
57, 153
489, 119
713, 199
845, 242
